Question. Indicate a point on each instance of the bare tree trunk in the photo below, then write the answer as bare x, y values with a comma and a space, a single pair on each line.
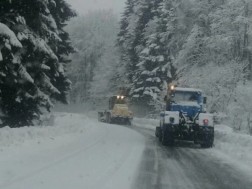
248, 123
246, 54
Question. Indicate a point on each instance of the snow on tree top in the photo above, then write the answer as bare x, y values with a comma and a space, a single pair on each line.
146, 51
6, 32
41, 46
160, 58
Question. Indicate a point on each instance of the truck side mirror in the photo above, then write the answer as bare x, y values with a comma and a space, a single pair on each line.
204, 100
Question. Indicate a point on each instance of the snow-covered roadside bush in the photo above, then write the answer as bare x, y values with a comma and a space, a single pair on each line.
237, 146
64, 124
240, 110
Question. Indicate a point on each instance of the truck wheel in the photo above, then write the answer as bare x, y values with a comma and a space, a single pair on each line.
167, 138
163, 138
206, 145
128, 122
160, 135
101, 116
157, 131
208, 142
108, 118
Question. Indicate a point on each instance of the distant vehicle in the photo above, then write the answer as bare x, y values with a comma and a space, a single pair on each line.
118, 111
185, 118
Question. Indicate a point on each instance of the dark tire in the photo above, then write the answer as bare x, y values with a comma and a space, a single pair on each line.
167, 138
157, 131
160, 135
100, 116
163, 139
108, 118
208, 142
128, 122
206, 145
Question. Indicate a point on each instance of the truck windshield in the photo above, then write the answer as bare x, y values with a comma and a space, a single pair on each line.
182, 97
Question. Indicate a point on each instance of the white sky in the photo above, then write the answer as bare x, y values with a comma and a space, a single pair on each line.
84, 6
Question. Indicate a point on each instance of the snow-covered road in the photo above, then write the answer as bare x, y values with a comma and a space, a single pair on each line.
89, 155
186, 166
79, 152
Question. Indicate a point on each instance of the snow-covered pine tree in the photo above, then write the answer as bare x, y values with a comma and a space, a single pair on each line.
61, 12
125, 22
32, 70
193, 52
126, 36
131, 40
155, 62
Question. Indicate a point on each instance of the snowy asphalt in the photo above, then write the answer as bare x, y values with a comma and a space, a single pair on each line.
185, 166
80, 152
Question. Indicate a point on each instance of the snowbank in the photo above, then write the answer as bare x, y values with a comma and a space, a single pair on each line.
228, 144
63, 124
145, 123
76, 152
237, 146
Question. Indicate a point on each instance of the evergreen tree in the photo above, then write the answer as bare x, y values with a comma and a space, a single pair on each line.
33, 74
155, 64
196, 37
126, 36
131, 38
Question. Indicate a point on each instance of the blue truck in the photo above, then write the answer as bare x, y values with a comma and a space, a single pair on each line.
185, 118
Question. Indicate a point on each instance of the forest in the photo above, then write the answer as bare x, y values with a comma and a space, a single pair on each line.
194, 43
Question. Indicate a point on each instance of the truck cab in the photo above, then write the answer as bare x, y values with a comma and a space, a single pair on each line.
189, 101
118, 111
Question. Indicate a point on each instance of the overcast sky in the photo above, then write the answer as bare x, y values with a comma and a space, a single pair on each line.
83, 6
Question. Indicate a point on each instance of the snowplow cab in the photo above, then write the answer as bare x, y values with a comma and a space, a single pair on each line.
116, 100
186, 100
118, 111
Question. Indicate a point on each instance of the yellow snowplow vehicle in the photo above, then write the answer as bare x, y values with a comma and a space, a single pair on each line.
118, 111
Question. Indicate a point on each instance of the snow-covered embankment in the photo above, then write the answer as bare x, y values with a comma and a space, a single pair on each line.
77, 152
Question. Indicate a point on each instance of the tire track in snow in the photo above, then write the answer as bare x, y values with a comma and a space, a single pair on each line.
185, 166
55, 162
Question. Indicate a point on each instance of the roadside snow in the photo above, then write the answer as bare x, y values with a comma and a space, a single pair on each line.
76, 152
146, 123
79, 152
64, 124
236, 146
